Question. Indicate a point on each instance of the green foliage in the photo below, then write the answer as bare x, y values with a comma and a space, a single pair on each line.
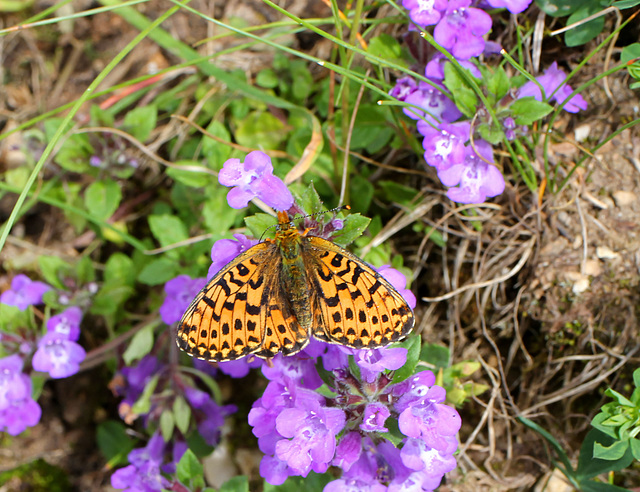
37, 476
113, 441
189, 470
314, 482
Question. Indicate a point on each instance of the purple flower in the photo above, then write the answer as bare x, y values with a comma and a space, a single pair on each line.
254, 179
225, 250
425, 12
416, 388
435, 68
375, 414
58, 356
24, 292
374, 361
417, 455
239, 368
143, 475
296, 368
445, 146
310, 435
477, 178
131, 383
209, 415
513, 6
432, 106
17, 409
404, 86
552, 80
461, 29
399, 282
433, 422
66, 324
180, 291
348, 450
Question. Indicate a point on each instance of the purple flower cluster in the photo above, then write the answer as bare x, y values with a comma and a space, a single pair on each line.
24, 292
463, 161
17, 409
300, 430
144, 472
180, 291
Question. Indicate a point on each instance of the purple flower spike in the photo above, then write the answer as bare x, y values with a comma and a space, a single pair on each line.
513, 6
17, 409
225, 250
66, 324
477, 178
24, 292
254, 178
445, 146
552, 78
58, 356
180, 291
461, 29
425, 12
375, 414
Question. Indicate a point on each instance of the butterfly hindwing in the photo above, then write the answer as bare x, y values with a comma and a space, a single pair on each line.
354, 305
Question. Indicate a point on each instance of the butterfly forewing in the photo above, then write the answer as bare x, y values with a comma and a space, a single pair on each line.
354, 304
226, 320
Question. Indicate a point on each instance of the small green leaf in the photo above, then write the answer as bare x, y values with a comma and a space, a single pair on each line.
625, 4
527, 110
267, 78
388, 48
584, 33
182, 414
216, 151
168, 230
139, 122
167, 424
412, 344
354, 226
143, 403
498, 83
85, 272
236, 484
559, 8
140, 345
17, 177
261, 224
261, 130
396, 192
189, 468
54, 268
114, 443
310, 200
361, 193
158, 271
102, 199
119, 269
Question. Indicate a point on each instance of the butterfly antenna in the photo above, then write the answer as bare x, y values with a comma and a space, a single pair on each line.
337, 209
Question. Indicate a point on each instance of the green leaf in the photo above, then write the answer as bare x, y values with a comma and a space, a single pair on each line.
215, 151
217, 215
109, 299
54, 268
313, 482
158, 271
636, 378
17, 177
139, 122
168, 230
635, 448
182, 414
143, 403
554, 443
589, 465
625, 4
310, 200
261, 130
167, 424
236, 484
189, 468
388, 48
140, 345
527, 110
361, 193
193, 179
302, 80
559, 8
498, 83
267, 78
610, 453
119, 269
102, 198
85, 272
114, 443
354, 226
586, 32
412, 344
463, 95
490, 133
396, 192
258, 224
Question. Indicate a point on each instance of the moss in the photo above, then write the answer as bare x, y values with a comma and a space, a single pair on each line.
37, 476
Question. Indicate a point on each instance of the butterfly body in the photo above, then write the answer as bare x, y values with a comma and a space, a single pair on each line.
273, 297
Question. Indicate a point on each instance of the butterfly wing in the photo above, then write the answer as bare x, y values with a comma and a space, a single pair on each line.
242, 311
353, 304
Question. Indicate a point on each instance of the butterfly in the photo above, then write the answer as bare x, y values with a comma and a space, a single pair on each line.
275, 296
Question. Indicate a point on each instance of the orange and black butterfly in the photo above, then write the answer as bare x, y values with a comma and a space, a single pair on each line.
273, 297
